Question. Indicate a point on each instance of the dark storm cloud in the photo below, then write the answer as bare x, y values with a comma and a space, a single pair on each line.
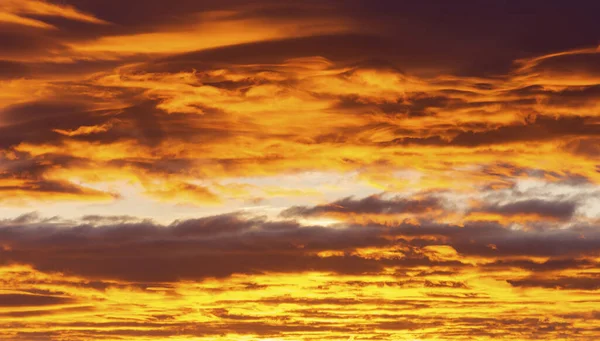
543, 128
23, 300
333, 47
30, 172
208, 247
545, 243
581, 282
412, 105
44, 312
588, 147
9, 69
160, 166
26, 43
430, 36
48, 122
152, 13
224, 245
380, 205
575, 97
42, 121
50, 47
469, 38
50, 186
36, 122
554, 209
375, 204
583, 67
490, 33
547, 266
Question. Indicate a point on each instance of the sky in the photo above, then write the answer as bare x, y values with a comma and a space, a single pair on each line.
325, 170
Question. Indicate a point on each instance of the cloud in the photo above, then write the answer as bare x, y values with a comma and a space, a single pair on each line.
375, 204
204, 111
221, 246
560, 210
572, 283
22, 300
17, 11
212, 31
378, 170
542, 129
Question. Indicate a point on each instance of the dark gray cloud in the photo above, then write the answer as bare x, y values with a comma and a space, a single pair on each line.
25, 300
219, 246
563, 210
375, 204
467, 38
45, 312
550, 265
542, 128
573, 283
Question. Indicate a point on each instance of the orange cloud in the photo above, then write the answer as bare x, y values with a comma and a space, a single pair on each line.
298, 171
17, 12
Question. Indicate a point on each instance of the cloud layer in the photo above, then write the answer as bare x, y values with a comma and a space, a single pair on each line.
262, 170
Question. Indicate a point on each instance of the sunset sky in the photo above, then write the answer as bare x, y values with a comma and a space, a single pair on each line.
323, 170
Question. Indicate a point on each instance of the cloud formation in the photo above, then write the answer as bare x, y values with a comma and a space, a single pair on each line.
314, 170
56, 262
